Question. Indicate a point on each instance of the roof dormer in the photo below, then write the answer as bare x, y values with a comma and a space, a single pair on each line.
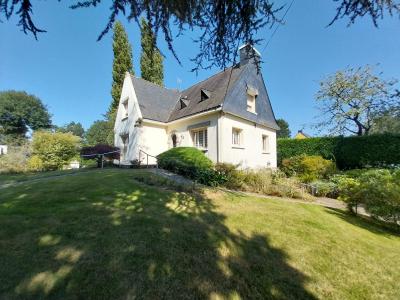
204, 95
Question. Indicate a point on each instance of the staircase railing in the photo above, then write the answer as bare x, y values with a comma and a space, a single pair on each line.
147, 158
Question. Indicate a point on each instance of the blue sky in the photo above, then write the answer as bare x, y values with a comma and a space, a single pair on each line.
71, 72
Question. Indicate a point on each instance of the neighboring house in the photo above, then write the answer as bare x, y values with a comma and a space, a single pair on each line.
301, 135
228, 116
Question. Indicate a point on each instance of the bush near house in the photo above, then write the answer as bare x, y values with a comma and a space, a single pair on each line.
189, 162
308, 168
348, 152
52, 151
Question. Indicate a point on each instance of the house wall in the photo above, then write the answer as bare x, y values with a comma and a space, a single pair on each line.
154, 140
127, 125
250, 153
184, 136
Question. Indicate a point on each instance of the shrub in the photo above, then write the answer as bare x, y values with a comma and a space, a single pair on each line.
348, 152
232, 178
325, 189
269, 182
380, 190
308, 168
16, 160
54, 149
35, 163
94, 152
189, 162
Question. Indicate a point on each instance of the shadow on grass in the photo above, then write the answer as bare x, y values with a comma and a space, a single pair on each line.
368, 223
109, 238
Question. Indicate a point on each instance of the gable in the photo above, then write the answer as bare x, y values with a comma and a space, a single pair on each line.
250, 82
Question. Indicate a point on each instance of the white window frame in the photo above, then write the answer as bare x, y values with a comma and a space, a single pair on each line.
237, 137
265, 140
196, 134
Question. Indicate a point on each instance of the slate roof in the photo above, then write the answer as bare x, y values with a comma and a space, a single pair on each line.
156, 102
164, 105
216, 86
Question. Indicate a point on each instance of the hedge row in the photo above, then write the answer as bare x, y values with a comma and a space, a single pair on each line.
348, 152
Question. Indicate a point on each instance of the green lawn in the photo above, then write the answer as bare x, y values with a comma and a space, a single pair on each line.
102, 235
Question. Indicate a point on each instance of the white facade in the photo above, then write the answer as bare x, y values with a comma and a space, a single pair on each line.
222, 136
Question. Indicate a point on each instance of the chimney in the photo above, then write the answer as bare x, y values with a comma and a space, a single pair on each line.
247, 53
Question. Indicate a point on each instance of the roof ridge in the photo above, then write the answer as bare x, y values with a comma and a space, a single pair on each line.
222, 71
155, 84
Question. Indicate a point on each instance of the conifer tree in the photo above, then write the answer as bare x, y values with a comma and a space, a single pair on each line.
122, 63
151, 60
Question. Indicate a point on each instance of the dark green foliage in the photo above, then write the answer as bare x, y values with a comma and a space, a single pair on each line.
122, 63
151, 60
72, 127
190, 162
20, 111
348, 152
100, 133
284, 131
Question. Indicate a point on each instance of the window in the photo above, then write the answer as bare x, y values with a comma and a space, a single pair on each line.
252, 93
237, 137
125, 110
265, 143
200, 138
204, 95
125, 144
251, 103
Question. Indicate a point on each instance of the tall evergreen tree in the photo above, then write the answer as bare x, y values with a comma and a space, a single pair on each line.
122, 63
151, 60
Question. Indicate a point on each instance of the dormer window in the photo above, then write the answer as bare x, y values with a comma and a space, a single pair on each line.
252, 94
204, 95
125, 108
184, 102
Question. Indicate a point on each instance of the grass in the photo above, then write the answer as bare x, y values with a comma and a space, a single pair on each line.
104, 235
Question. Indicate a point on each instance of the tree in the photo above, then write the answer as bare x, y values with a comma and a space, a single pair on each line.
223, 25
387, 122
122, 63
52, 151
99, 133
284, 131
20, 112
350, 99
72, 127
151, 60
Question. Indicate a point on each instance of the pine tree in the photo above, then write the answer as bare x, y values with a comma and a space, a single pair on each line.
151, 60
122, 63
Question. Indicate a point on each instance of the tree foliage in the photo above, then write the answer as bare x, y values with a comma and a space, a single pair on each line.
151, 60
387, 122
223, 25
350, 99
99, 133
122, 63
52, 151
20, 111
72, 127
284, 131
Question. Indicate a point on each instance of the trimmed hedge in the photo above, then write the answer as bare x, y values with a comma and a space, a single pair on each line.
348, 152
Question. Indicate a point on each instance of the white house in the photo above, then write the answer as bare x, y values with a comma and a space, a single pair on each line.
228, 116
